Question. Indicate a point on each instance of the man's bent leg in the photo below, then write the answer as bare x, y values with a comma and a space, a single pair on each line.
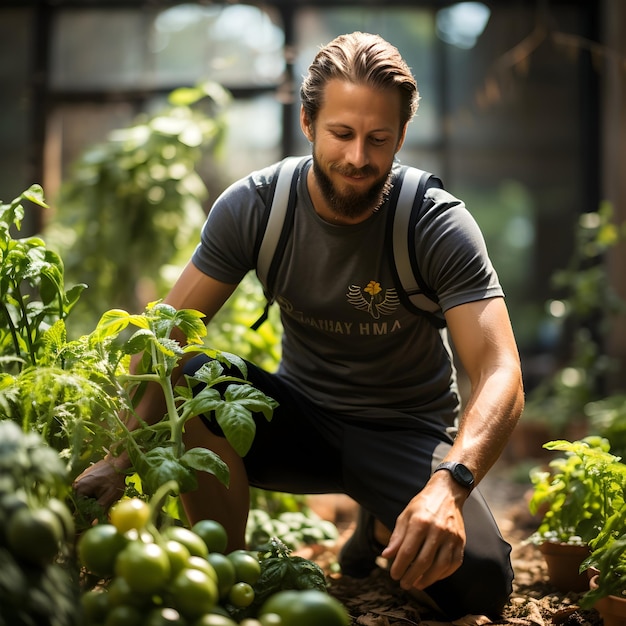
212, 500
483, 583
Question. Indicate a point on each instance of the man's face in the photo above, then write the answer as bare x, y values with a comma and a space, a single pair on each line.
355, 137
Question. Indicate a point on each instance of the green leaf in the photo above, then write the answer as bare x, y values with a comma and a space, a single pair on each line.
35, 194
232, 360
190, 323
139, 341
114, 321
204, 402
208, 461
238, 425
252, 398
208, 373
184, 96
285, 572
161, 465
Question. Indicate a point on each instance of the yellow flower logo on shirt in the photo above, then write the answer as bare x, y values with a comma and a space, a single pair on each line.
373, 288
373, 299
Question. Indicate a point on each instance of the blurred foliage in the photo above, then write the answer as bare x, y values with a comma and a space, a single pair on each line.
584, 315
134, 202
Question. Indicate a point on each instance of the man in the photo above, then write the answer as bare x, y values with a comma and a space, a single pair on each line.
368, 402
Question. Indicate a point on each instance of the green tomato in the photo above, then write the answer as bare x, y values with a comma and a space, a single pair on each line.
98, 548
59, 508
247, 566
225, 570
194, 593
306, 608
130, 514
121, 593
178, 555
145, 566
214, 619
123, 616
212, 533
241, 595
189, 539
166, 616
94, 606
197, 562
35, 535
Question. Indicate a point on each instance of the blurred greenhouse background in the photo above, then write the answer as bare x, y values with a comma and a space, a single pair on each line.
134, 115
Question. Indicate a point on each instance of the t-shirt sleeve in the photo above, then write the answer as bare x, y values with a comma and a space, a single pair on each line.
227, 241
452, 254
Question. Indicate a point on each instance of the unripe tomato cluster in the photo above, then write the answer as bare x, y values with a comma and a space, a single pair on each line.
171, 576
180, 576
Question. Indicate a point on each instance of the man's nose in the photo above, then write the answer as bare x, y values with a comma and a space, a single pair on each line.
357, 154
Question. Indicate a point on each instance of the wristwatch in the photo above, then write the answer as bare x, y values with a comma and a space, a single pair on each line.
459, 472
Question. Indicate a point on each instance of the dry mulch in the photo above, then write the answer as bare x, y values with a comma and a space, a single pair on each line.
378, 601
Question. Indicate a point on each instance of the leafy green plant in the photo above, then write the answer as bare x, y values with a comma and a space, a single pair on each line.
32, 291
608, 557
295, 529
279, 571
78, 393
156, 451
132, 203
579, 493
56, 388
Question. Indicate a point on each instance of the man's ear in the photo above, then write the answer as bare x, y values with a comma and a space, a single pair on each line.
306, 125
402, 137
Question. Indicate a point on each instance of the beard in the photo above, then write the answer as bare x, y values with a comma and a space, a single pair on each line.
352, 204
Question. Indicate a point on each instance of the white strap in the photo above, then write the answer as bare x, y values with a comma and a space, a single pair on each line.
276, 218
402, 239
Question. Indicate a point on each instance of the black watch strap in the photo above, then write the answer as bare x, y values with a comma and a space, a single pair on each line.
460, 473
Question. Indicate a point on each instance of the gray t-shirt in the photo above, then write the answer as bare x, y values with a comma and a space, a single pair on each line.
348, 342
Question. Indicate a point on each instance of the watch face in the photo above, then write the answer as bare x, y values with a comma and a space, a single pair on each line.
464, 475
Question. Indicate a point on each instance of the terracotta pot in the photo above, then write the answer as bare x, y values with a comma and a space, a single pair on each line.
612, 609
563, 561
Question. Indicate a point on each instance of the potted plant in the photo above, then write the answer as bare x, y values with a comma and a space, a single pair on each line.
607, 586
576, 496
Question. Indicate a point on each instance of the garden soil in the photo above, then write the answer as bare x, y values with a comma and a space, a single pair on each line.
377, 601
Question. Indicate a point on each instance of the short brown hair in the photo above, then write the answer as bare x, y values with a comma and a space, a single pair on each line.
360, 58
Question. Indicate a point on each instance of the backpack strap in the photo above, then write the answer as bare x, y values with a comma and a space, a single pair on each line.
415, 294
276, 227
404, 208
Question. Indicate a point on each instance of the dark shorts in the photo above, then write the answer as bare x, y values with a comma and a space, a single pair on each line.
381, 465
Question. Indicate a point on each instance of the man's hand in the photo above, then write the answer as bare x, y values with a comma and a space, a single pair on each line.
428, 541
102, 481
